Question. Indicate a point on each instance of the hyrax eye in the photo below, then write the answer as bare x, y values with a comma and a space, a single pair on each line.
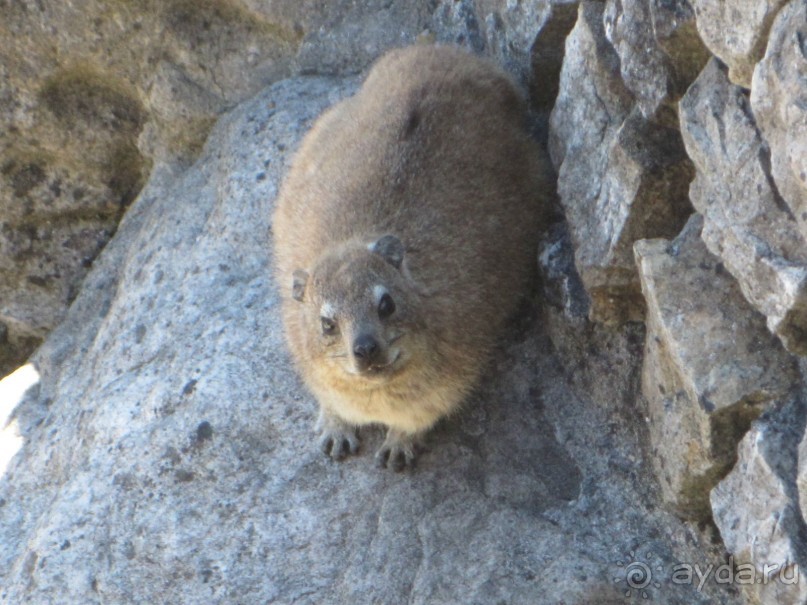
328, 326
386, 306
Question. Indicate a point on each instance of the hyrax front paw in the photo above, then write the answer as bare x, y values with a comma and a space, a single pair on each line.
397, 452
338, 445
337, 439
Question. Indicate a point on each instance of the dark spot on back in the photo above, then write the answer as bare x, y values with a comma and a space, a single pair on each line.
412, 122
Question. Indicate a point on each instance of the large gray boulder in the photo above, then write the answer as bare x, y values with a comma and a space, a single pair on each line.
167, 451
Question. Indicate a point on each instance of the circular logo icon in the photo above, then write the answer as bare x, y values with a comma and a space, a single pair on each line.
638, 575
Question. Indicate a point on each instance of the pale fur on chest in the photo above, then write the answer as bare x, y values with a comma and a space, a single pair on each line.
412, 404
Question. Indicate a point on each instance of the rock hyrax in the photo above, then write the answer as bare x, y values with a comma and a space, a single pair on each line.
405, 235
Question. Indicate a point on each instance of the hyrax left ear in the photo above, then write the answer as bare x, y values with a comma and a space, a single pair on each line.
390, 249
299, 281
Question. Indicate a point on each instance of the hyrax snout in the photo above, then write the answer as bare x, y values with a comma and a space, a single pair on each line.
405, 236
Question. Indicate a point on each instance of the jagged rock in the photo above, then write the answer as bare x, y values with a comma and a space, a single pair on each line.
168, 453
710, 366
736, 31
659, 49
756, 508
779, 101
747, 223
547, 54
562, 288
620, 177
525, 37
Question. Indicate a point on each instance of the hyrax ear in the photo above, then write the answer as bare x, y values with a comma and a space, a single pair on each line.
390, 249
299, 281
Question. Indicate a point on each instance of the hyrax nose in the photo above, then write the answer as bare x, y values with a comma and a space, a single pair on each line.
365, 350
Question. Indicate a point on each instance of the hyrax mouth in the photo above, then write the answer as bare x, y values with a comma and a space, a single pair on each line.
379, 368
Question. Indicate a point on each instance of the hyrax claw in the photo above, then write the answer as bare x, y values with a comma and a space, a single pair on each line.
397, 452
337, 439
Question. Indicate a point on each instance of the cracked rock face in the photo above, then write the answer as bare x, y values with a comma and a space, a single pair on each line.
659, 49
736, 32
779, 103
710, 366
757, 509
746, 221
167, 453
159, 448
620, 177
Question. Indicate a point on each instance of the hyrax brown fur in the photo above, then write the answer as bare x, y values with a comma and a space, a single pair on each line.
405, 235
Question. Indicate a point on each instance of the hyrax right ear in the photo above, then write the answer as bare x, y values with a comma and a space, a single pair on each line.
299, 281
390, 249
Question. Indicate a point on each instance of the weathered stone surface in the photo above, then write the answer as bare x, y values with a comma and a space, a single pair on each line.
779, 101
345, 37
168, 451
620, 177
756, 508
562, 288
736, 31
747, 223
525, 37
710, 366
660, 52
90, 93
547, 55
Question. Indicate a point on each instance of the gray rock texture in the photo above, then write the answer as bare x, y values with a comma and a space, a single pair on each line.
757, 509
779, 102
620, 177
159, 448
746, 221
710, 366
660, 52
736, 32
169, 456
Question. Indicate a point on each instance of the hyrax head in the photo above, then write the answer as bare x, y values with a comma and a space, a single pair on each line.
358, 307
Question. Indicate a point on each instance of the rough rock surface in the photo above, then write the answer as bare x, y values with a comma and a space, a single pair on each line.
779, 101
757, 509
620, 177
736, 31
710, 366
660, 52
168, 454
747, 223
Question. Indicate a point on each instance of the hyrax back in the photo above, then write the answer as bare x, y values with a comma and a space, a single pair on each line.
405, 234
